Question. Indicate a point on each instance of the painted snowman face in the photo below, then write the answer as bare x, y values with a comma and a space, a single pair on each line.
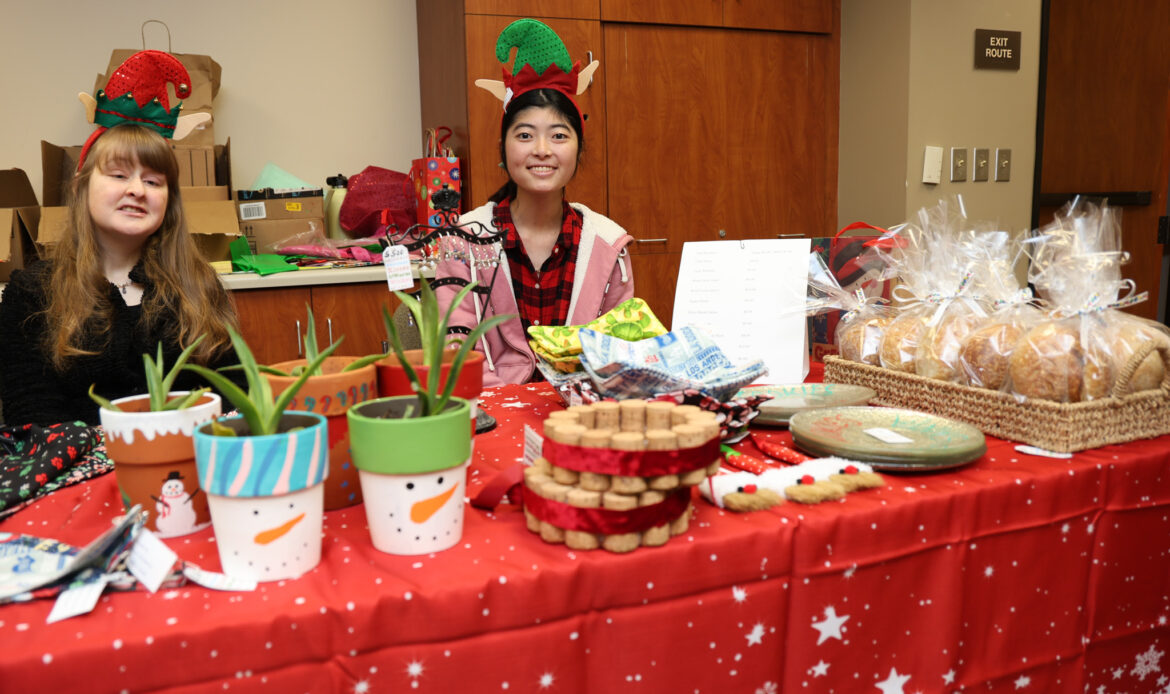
415, 514
274, 537
173, 489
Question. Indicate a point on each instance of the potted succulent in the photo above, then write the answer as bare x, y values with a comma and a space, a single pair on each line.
412, 450
149, 438
331, 389
264, 472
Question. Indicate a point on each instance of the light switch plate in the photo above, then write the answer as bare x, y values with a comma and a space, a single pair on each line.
1003, 164
958, 164
982, 164
932, 165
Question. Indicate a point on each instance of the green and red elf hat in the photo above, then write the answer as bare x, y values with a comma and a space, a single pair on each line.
137, 93
542, 62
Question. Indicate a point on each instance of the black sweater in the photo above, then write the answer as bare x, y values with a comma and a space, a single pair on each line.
32, 391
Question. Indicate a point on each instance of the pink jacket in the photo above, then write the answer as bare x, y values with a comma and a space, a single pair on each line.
601, 281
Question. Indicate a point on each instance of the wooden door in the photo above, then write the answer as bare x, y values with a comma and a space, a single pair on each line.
272, 321
815, 16
566, 9
355, 311
718, 130
581, 38
1106, 121
693, 12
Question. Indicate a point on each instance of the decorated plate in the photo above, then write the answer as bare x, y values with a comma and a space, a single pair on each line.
887, 438
788, 400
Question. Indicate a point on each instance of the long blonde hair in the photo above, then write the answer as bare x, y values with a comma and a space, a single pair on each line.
184, 285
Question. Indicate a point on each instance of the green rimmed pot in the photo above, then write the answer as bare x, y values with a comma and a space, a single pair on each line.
413, 473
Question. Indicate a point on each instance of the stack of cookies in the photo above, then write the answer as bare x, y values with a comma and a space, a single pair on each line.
618, 475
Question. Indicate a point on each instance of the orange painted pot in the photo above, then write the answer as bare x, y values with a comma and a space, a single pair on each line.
154, 461
392, 380
331, 394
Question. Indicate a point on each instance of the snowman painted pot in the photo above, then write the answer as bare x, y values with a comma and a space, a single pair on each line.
413, 473
154, 460
266, 495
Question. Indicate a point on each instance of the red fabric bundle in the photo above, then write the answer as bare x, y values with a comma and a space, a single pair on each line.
369, 193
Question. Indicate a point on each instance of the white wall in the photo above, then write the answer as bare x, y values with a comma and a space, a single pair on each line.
908, 80
317, 88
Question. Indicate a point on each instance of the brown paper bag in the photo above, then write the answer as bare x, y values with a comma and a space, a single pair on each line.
205, 74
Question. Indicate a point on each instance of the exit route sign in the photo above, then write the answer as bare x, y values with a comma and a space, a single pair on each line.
997, 50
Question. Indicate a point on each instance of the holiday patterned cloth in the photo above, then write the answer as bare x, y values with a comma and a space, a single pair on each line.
1015, 574
36, 460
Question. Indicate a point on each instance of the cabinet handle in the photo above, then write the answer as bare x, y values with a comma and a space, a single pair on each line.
588, 62
651, 240
385, 347
299, 352
329, 326
789, 236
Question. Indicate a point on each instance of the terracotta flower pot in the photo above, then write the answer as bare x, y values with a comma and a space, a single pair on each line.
266, 495
392, 378
154, 461
330, 395
413, 473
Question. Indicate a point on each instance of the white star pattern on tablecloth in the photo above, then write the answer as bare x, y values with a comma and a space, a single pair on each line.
1023, 681
755, 637
361, 687
988, 571
738, 594
820, 669
546, 680
1147, 663
893, 683
1118, 672
830, 627
949, 677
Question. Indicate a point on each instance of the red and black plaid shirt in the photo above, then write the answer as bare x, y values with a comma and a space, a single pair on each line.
543, 294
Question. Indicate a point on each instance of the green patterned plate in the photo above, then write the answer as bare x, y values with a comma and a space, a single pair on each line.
788, 400
887, 438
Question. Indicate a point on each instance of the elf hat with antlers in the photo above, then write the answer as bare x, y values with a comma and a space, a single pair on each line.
542, 62
137, 93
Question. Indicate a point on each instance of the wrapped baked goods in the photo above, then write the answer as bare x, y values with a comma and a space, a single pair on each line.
858, 333
1136, 344
1076, 268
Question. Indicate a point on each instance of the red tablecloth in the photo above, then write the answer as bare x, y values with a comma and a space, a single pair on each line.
1016, 573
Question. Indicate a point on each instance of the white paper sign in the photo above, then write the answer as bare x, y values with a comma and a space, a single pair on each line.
75, 601
533, 445
748, 296
397, 262
150, 560
887, 435
217, 581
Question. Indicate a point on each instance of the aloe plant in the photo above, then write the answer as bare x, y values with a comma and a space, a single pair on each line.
260, 410
311, 353
432, 395
158, 384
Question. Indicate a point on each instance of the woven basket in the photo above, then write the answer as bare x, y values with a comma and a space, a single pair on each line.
1062, 427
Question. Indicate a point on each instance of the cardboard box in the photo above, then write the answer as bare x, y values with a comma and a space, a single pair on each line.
18, 222
263, 234
196, 164
59, 164
211, 215
268, 205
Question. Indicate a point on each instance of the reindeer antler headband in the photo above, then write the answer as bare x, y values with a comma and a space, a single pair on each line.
137, 93
542, 62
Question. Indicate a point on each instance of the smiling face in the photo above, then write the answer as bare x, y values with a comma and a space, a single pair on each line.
126, 199
540, 150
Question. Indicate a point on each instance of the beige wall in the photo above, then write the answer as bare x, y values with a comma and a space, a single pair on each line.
908, 81
316, 88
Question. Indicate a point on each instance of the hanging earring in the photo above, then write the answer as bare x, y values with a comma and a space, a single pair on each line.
501, 165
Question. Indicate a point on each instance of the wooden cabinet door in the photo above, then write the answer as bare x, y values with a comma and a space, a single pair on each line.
272, 321
721, 129
814, 16
693, 12
566, 9
484, 111
654, 282
355, 311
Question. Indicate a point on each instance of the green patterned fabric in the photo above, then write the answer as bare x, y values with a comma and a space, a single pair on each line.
536, 45
559, 345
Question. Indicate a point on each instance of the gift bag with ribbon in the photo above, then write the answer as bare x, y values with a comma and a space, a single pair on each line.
856, 266
437, 170
205, 75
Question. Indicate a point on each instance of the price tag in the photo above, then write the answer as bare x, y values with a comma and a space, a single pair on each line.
210, 579
397, 262
1035, 450
887, 435
533, 445
79, 600
150, 560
